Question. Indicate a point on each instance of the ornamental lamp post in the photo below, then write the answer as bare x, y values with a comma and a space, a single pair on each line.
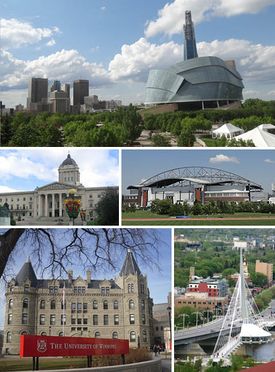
72, 205
170, 330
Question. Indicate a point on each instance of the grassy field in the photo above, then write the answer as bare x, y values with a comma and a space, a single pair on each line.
210, 142
243, 219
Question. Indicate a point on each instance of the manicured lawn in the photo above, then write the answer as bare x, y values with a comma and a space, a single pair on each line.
244, 219
200, 223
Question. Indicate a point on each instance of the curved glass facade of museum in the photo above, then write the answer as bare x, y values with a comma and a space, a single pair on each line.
195, 80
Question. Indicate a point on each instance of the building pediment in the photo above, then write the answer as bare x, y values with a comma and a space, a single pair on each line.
56, 186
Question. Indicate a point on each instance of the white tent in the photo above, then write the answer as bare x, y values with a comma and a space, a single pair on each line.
259, 136
227, 130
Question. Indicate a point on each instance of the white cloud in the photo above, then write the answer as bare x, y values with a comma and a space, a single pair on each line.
16, 165
254, 61
51, 43
64, 65
8, 189
269, 161
36, 163
171, 17
16, 33
135, 60
103, 8
221, 158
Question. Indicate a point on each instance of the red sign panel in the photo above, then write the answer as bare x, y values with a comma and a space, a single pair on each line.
41, 346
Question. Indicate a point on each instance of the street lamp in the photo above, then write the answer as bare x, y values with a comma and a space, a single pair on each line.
170, 329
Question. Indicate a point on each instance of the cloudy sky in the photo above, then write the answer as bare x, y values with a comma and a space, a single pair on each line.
115, 43
25, 169
255, 165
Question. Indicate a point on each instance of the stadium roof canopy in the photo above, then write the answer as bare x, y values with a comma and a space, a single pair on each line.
196, 175
259, 136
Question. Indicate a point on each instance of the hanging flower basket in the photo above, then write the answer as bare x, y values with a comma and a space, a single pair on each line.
72, 207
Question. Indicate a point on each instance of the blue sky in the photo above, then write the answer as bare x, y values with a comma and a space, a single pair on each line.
159, 281
256, 165
26, 169
115, 43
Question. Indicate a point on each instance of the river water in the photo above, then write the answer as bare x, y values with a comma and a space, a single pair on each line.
264, 353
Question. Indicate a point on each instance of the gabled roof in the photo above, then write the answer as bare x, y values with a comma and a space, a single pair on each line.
26, 273
130, 266
259, 136
57, 186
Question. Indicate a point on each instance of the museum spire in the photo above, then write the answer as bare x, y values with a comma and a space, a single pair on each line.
190, 48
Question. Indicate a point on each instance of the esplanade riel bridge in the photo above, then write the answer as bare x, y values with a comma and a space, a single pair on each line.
243, 324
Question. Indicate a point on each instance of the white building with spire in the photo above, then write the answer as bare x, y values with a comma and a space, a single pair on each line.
76, 306
45, 205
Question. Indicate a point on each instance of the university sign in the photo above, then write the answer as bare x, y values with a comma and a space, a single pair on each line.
51, 346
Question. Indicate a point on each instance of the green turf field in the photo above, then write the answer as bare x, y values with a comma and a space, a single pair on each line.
242, 219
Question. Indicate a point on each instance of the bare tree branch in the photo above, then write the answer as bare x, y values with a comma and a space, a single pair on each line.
58, 250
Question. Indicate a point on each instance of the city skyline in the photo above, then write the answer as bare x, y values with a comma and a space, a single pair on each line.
116, 60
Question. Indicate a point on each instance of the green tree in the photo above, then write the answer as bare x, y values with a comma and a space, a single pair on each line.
186, 138
258, 279
131, 123
107, 209
160, 141
161, 206
6, 130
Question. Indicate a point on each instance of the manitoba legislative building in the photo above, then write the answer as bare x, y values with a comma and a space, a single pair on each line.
45, 205
114, 308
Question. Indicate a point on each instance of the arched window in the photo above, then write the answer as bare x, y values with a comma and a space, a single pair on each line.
9, 318
52, 304
24, 333
95, 305
42, 304
105, 304
132, 336
43, 334
42, 319
8, 337
10, 303
25, 303
115, 305
115, 335
142, 304
26, 288
61, 334
97, 334
131, 304
144, 335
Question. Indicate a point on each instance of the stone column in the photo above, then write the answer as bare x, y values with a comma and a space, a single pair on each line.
53, 205
39, 205
34, 206
60, 205
46, 205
